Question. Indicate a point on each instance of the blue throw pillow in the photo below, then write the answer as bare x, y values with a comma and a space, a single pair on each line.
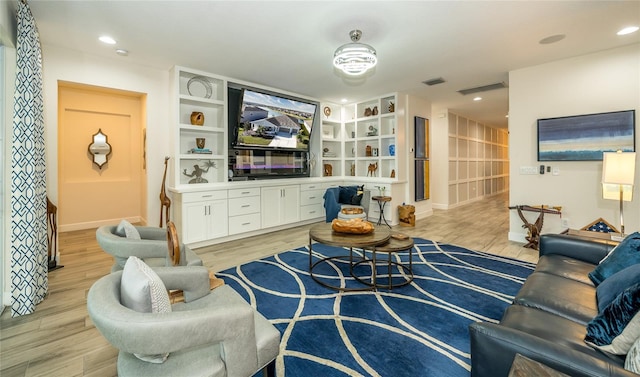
627, 253
609, 289
618, 326
351, 195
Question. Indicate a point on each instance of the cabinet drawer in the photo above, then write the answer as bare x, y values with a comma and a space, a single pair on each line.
311, 211
311, 186
191, 197
311, 197
244, 223
241, 193
243, 206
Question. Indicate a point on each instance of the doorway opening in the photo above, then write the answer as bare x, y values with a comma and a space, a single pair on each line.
91, 195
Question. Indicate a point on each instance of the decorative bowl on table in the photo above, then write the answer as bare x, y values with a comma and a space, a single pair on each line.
352, 226
352, 211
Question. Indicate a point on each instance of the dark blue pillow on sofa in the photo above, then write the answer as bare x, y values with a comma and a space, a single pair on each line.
627, 253
618, 326
615, 284
351, 195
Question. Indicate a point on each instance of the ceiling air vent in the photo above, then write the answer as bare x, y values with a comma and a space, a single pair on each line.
483, 88
433, 82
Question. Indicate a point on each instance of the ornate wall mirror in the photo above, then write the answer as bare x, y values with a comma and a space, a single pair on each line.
100, 148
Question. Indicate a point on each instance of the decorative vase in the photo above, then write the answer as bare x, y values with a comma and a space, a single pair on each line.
367, 151
200, 142
374, 111
392, 107
367, 112
197, 118
392, 150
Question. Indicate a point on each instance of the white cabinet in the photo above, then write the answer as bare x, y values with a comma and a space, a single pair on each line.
311, 201
280, 205
244, 210
202, 216
200, 124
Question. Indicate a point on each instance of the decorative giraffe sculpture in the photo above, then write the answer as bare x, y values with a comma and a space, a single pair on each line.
165, 202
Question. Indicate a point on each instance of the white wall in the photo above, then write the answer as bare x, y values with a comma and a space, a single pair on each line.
73, 66
600, 82
422, 108
439, 153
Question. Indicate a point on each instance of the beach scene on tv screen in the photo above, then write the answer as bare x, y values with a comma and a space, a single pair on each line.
274, 122
585, 137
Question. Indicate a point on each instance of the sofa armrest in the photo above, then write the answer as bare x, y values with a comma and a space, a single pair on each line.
586, 250
493, 348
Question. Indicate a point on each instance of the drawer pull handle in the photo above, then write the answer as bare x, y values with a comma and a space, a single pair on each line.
312, 197
312, 211
246, 205
246, 224
245, 192
207, 196
312, 187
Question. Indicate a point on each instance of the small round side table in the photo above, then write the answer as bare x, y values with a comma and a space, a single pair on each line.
382, 201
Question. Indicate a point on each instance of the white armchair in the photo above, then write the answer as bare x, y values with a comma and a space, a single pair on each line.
211, 333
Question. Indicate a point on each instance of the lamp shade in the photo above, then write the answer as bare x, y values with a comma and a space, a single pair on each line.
618, 168
612, 192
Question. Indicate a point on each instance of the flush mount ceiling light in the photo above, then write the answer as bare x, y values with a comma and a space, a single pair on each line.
628, 30
107, 39
355, 58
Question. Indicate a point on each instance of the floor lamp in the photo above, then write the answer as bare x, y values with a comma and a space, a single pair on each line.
618, 170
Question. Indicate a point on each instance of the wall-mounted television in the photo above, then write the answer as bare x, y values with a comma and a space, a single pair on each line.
272, 121
586, 137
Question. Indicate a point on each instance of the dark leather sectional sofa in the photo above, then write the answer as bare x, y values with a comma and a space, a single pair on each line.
548, 319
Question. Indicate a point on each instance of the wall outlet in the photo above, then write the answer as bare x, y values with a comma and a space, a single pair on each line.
564, 223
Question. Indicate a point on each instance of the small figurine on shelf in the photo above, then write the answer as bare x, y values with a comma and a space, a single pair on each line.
328, 170
371, 170
367, 151
393, 173
374, 111
353, 170
392, 107
372, 131
367, 112
197, 172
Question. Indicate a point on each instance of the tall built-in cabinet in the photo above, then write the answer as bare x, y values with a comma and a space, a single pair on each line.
359, 145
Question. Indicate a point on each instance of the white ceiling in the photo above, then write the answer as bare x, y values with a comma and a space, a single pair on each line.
290, 44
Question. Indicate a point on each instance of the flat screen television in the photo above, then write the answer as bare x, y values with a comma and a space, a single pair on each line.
270, 121
586, 137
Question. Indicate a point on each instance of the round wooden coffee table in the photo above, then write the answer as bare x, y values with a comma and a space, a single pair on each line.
394, 245
322, 233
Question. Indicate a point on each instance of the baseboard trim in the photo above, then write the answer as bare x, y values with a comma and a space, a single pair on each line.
97, 224
517, 237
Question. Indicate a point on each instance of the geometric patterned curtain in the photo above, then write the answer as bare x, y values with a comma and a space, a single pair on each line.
29, 265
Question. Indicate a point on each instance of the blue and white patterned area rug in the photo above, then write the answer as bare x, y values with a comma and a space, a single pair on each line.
420, 329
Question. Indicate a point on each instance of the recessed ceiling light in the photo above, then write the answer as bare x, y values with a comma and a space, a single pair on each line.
477, 98
122, 52
552, 39
344, 100
107, 39
628, 30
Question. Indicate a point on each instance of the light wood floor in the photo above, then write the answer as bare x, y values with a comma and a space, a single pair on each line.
60, 340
